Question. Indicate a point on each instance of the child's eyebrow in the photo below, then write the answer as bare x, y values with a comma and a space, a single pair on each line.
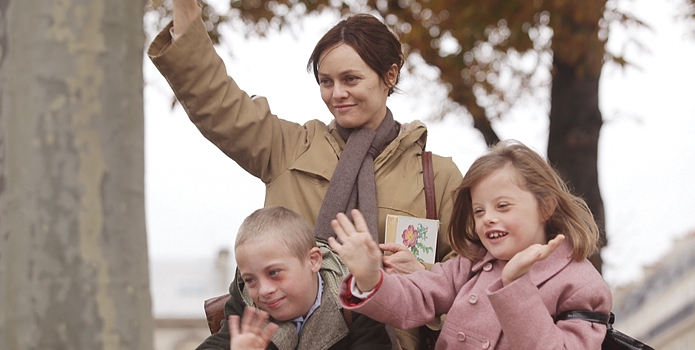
274, 266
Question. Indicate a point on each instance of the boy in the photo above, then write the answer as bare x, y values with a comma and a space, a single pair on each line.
283, 270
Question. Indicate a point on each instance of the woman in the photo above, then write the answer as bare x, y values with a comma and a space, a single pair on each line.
363, 159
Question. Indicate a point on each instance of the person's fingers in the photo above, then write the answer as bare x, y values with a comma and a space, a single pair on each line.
521, 263
338, 229
360, 222
555, 242
268, 331
335, 245
233, 325
259, 325
342, 227
246, 319
345, 224
253, 320
538, 252
392, 247
545, 250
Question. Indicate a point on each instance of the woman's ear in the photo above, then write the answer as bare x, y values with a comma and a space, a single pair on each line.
392, 75
315, 259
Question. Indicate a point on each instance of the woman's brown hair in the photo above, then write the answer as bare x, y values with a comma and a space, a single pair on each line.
567, 213
373, 41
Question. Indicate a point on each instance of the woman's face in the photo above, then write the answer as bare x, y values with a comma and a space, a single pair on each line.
353, 92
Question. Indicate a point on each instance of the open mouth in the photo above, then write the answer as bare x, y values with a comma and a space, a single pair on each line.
496, 234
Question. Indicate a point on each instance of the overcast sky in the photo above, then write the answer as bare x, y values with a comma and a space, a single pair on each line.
197, 197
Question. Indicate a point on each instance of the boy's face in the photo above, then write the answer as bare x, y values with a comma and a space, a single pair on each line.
279, 282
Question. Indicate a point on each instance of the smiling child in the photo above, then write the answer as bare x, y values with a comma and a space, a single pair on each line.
284, 271
523, 239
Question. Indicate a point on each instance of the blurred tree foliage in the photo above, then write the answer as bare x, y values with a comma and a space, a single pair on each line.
690, 12
490, 53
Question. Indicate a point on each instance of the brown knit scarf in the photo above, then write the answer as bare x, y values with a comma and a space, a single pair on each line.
352, 184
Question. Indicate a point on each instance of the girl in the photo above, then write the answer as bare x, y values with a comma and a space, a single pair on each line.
523, 239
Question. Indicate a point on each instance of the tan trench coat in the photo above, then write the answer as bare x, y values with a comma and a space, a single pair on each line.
295, 161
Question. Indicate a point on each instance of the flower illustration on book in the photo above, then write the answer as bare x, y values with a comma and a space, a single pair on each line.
409, 236
413, 238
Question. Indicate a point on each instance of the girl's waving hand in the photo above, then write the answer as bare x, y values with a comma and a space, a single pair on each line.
357, 249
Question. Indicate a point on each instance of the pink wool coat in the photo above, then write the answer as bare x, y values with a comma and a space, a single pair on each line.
482, 314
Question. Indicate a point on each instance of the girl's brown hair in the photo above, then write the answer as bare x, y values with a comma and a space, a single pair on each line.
374, 42
567, 213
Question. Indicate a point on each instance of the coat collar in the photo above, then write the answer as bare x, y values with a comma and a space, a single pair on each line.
324, 328
540, 271
410, 133
413, 132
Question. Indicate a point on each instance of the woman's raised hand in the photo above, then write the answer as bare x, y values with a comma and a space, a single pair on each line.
255, 331
185, 13
521, 263
357, 249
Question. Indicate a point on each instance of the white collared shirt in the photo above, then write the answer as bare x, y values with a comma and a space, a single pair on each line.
299, 321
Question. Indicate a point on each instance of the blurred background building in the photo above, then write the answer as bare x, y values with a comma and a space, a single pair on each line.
659, 309
179, 289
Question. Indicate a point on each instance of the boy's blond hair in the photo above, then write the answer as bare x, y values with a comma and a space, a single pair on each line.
567, 213
277, 223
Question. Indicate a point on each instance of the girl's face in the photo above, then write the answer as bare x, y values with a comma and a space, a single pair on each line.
353, 92
507, 216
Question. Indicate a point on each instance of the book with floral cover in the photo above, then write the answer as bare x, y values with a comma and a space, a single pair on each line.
419, 235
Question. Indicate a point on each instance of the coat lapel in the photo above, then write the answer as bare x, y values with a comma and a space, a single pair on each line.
325, 326
545, 269
286, 338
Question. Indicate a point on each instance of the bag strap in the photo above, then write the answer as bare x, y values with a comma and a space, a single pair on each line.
347, 316
614, 339
428, 177
596, 317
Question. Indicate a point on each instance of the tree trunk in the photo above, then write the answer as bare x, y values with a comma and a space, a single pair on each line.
482, 124
575, 123
73, 248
